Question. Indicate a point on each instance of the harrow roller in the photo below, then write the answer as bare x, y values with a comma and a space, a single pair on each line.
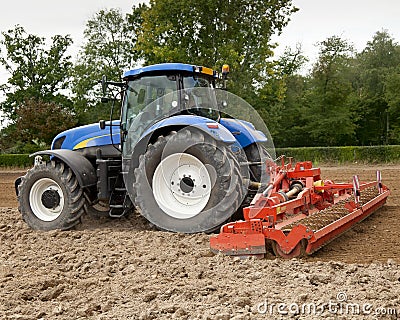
299, 213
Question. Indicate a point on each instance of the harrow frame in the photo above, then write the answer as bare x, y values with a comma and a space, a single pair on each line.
298, 213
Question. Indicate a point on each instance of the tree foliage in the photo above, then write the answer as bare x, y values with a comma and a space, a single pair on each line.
212, 33
282, 96
36, 124
347, 98
108, 50
327, 114
377, 66
392, 98
36, 72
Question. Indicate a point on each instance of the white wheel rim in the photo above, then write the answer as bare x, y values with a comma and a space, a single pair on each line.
181, 185
35, 199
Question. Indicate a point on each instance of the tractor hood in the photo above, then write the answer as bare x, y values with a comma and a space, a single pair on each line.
86, 136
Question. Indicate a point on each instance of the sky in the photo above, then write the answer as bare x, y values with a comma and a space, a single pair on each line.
354, 20
47, 18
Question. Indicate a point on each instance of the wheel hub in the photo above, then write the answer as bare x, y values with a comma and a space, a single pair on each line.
189, 181
186, 184
46, 199
50, 199
181, 185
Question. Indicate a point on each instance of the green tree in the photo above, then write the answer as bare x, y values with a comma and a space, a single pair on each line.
291, 61
289, 123
326, 109
377, 68
109, 50
37, 123
392, 97
212, 33
273, 97
36, 72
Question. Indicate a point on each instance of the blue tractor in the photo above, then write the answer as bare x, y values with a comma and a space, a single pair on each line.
177, 155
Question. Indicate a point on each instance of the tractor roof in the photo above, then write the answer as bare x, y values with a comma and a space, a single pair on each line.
170, 67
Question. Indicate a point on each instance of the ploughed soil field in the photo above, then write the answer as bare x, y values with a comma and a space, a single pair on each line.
124, 269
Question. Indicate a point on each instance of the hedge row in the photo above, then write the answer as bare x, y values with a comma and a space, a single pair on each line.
15, 160
374, 154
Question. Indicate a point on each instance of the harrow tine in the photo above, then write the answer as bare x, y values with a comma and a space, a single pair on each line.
356, 188
379, 180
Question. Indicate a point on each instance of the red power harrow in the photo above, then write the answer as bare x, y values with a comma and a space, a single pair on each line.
298, 213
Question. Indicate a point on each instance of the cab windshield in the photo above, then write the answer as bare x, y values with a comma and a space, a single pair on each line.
197, 99
167, 95
143, 91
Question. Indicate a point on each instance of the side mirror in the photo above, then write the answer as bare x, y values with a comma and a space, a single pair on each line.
104, 85
103, 124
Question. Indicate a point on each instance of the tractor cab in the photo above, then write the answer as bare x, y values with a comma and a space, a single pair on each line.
163, 91
159, 91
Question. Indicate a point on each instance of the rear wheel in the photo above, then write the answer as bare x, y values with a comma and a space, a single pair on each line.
187, 182
258, 156
50, 197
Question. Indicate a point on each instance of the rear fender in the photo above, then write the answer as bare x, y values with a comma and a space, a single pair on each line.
244, 131
82, 168
17, 183
211, 127
208, 126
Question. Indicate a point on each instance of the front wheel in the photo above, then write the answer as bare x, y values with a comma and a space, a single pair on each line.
49, 197
188, 182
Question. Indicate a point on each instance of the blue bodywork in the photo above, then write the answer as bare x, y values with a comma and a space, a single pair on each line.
232, 131
86, 136
221, 133
166, 67
229, 131
243, 131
